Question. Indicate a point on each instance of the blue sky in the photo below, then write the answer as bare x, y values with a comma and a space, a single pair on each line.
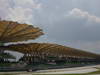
74, 23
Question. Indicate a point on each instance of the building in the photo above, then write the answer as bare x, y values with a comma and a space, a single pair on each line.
46, 52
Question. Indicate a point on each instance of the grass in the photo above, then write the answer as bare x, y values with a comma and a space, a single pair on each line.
96, 72
5, 64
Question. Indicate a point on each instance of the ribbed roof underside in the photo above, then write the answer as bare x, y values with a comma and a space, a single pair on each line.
49, 49
14, 32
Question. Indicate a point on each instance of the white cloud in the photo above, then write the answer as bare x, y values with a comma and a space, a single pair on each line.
4, 5
19, 10
83, 14
20, 14
27, 3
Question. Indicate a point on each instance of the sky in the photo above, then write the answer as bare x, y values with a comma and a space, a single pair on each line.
73, 23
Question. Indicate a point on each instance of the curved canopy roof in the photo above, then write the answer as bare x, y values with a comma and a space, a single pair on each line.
14, 32
49, 49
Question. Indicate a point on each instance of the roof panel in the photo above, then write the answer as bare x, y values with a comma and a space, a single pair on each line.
52, 49
14, 32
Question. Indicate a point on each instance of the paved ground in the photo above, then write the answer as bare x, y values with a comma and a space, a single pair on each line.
78, 70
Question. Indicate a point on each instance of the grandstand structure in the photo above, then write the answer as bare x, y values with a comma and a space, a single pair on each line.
39, 52
15, 32
44, 52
